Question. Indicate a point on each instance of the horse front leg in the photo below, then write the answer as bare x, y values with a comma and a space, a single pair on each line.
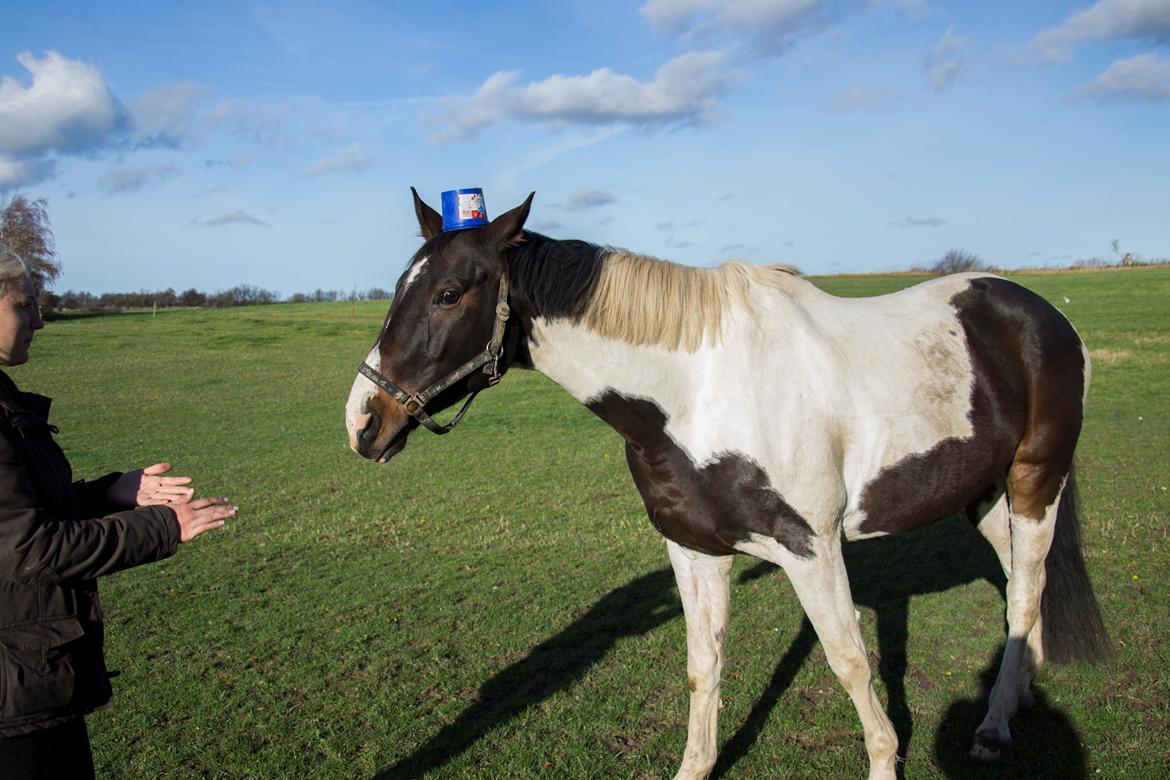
822, 585
704, 585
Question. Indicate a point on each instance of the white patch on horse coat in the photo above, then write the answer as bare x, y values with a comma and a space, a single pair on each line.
357, 408
705, 589
414, 272
849, 386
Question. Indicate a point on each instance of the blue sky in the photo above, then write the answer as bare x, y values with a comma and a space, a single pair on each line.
273, 144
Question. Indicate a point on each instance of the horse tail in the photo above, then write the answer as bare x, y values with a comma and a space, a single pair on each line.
1072, 626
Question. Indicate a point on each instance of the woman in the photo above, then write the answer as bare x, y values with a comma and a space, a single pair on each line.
56, 538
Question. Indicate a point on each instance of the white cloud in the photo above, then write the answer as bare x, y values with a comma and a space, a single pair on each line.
917, 222
945, 64
167, 114
1104, 20
683, 91
911, 9
347, 160
253, 122
239, 161
16, 173
231, 218
130, 178
675, 16
175, 115
1145, 76
586, 198
769, 27
858, 98
66, 108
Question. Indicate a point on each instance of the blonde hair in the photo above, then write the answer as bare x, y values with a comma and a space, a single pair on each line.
12, 268
643, 300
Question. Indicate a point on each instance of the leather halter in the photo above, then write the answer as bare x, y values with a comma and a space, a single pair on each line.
489, 359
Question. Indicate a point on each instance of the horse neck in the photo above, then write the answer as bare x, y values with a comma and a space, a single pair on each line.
554, 283
550, 280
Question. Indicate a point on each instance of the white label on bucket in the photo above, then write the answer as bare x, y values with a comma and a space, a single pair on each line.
470, 206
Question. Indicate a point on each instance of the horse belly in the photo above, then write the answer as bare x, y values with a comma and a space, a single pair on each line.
924, 487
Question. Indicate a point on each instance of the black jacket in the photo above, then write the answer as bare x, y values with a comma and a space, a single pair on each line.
56, 538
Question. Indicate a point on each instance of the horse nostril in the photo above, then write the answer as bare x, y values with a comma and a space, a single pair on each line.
370, 432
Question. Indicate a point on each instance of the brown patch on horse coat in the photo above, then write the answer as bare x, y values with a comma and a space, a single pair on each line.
707, 508
1025, 412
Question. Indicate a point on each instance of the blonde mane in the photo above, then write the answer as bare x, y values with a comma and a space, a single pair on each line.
643, 300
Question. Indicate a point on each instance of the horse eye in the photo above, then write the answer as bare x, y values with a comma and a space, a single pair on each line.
449, 297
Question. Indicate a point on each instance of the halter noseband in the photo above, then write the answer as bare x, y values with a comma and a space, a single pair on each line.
415, 403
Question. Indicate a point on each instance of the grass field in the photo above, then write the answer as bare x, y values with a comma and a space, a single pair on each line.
494, 603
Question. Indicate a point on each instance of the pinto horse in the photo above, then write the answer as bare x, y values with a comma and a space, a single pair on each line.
763, 416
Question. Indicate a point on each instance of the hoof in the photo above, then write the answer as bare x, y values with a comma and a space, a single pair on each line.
989, 748
1026, 698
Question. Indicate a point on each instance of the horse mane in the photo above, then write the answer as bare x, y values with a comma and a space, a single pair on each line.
644, 300
556, 278
633, 298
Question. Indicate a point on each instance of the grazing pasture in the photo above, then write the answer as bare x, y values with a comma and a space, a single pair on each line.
495, 604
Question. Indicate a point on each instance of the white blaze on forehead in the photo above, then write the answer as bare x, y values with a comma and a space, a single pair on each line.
357, 408
415, 271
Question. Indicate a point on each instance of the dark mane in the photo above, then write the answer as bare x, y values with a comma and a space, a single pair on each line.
556, 279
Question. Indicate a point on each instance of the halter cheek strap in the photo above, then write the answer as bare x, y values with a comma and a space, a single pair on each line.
489, 359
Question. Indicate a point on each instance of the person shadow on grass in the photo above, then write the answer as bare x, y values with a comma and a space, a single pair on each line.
885, 573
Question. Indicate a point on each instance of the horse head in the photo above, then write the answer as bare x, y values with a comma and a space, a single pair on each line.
449, 303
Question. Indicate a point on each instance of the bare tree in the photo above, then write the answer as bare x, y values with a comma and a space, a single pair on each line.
24, 228
957, 261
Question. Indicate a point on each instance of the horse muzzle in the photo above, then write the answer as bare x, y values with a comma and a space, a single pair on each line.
373, 443
377, 426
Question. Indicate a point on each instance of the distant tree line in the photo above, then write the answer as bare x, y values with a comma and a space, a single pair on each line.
25, 229
960, 260
240, 295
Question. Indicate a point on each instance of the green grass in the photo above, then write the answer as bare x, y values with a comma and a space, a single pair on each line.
494, 603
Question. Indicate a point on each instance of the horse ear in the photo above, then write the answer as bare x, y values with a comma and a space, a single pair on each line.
430, 222
508, 228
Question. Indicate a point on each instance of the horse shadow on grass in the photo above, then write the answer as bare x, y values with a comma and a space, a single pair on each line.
884, 573
631, 610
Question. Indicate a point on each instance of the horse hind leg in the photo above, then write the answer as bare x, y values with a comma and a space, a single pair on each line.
704, 583
1033, 497
822, 585
992, 518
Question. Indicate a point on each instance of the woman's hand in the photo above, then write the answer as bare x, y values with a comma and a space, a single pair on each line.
144, 487
201, 515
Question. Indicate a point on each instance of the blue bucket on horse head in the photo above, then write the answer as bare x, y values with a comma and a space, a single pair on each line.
464, 209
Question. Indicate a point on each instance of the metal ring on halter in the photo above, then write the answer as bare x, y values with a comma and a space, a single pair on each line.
414, 404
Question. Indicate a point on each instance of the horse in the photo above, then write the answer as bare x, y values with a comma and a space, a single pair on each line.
765, 417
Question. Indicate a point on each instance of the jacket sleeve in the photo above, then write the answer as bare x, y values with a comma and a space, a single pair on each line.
93, 496
37, 548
